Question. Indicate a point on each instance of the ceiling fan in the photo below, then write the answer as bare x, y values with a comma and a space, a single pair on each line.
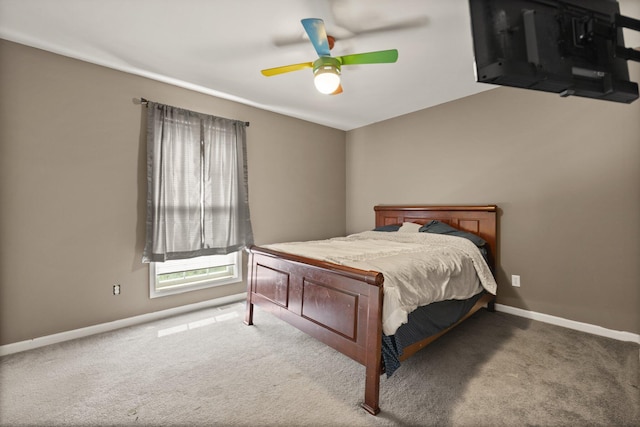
327, 69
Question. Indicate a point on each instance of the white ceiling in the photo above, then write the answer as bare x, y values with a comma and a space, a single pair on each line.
219, 47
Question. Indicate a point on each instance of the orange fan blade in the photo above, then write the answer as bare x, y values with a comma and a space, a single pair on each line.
337, 91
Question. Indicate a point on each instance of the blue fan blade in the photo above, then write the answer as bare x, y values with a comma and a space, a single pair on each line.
317, 34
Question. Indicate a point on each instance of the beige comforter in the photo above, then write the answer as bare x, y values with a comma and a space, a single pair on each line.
418, 268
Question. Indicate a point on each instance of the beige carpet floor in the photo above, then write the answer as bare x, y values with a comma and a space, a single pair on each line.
207, 368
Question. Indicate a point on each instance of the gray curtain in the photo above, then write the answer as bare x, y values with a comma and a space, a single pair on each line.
197, 195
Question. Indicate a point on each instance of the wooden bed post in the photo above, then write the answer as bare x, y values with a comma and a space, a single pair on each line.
373, 363
248, 316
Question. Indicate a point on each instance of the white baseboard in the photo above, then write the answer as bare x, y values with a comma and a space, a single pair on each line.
117, 324
570, 324
131, 321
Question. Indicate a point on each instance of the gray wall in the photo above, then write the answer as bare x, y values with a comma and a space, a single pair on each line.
565, 173
72, 189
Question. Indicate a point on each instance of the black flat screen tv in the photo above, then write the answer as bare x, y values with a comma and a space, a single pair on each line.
569, 47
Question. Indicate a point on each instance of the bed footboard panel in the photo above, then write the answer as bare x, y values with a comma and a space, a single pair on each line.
328, 305
340, 306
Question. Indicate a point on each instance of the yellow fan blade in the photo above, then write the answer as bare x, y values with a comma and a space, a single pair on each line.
286, 69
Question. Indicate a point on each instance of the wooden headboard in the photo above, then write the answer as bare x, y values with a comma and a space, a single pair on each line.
479, 220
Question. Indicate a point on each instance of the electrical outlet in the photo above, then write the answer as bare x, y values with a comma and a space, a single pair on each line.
116, 289
515, 280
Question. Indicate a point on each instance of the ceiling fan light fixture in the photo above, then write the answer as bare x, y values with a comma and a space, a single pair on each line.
326, 71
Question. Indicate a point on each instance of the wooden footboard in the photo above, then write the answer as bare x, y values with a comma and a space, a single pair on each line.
338, 305
342, 306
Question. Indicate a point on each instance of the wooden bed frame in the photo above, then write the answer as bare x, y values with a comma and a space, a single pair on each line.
342, 306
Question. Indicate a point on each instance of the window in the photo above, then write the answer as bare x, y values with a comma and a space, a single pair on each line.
183, 275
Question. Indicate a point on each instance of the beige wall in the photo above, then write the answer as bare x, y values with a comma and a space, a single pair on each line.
565, 173
72, 189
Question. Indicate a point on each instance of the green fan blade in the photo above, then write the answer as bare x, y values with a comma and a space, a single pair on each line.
286, 69
380, 57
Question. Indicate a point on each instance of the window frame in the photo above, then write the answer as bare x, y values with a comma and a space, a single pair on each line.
193, 264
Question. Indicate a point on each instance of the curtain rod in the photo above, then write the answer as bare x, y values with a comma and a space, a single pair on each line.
144, 101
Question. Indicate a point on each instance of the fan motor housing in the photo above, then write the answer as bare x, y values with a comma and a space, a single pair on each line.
326, 63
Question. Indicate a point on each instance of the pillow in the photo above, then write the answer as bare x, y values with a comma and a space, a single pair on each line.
444, 228
409, 227
390, 227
